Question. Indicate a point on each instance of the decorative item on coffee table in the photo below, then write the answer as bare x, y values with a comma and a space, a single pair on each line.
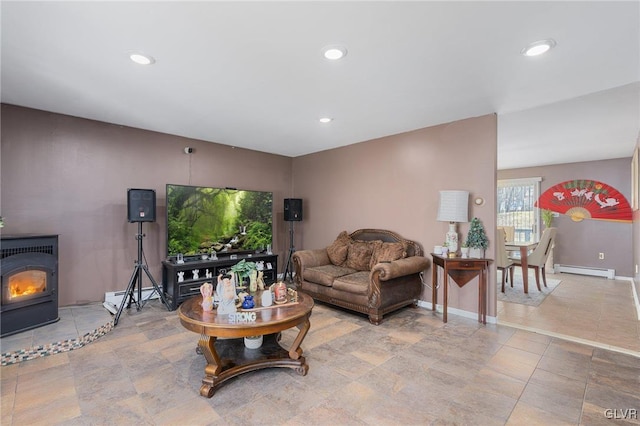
266, 299
477, 239
280, 292
206, 290
227, 293
242, 271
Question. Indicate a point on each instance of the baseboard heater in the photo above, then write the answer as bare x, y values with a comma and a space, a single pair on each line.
116, 297
586, 270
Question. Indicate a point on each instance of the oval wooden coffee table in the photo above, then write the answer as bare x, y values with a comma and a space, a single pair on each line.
227, 357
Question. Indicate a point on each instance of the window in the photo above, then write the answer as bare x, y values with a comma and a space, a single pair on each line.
516, 199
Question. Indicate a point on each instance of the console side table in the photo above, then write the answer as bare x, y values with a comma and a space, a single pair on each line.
461, 270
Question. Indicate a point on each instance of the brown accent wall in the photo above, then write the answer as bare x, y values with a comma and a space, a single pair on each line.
393, 183
578, 243
69, 176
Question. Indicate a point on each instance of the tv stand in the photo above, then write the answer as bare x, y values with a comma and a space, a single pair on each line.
176, 291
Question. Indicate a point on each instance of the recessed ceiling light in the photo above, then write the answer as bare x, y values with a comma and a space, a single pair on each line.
141, 59
334, 52
326, 120
539, 47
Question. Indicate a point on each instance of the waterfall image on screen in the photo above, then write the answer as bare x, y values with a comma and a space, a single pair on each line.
200, 219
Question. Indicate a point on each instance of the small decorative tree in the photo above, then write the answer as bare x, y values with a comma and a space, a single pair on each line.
477, 238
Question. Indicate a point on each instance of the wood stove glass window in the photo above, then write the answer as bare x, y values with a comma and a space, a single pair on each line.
25, 285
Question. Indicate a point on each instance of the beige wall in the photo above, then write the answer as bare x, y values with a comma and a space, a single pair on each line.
393, 183
578, 243
69, 176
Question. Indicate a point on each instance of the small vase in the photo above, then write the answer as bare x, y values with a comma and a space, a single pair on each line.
253, 342
465, 252
248, 302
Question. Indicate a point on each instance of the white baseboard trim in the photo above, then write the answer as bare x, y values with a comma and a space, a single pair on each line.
115, 297
585, 270
456, 311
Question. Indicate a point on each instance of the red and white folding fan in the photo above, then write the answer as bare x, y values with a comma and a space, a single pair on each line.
586, 199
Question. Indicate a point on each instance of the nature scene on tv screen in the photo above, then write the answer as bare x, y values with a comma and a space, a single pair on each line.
200, 219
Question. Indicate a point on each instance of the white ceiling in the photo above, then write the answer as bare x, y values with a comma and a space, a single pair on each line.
251, 75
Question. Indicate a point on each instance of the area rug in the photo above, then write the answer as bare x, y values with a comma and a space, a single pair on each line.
517, 295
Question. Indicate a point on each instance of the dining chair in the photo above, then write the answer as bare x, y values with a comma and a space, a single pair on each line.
538, 257
503, 263
509, 231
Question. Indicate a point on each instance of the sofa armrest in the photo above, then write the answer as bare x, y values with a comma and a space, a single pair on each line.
401, 272
308, 259
311, 258
400, 268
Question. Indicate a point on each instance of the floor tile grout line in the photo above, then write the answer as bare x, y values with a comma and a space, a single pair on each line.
571, 338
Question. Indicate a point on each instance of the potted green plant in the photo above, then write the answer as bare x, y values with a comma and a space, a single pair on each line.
242, 271
445, 249
547, 217
477, 239
464, 250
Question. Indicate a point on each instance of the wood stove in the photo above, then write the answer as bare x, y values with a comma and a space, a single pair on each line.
29, 277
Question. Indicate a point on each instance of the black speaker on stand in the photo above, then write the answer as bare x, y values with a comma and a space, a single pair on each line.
292, 213
141, 207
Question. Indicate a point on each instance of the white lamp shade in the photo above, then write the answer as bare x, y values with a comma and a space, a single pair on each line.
454, 206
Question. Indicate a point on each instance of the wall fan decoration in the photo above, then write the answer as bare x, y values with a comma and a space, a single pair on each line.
586, 199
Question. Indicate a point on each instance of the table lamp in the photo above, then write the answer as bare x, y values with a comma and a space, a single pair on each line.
453, 208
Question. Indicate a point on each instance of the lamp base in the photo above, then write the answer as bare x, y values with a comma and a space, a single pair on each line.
452, 238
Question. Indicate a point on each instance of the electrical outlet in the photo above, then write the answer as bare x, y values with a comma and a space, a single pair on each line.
601, 256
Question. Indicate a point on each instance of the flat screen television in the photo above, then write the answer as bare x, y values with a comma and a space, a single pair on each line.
200, 219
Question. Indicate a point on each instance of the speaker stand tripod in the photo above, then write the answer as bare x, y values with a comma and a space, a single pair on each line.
289, 268
136, 279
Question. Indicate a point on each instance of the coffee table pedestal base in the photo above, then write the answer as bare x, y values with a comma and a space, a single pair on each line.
228, 358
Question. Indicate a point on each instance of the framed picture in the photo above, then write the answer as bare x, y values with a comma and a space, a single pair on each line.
635, 179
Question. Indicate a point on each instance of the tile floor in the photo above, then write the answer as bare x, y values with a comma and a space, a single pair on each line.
590, 310
410, 370
78, 326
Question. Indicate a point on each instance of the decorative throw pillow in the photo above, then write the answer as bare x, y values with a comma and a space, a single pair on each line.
388, 252
338, 250
359, 255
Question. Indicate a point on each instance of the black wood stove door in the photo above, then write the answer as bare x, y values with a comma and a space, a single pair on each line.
27, 277
29, 295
